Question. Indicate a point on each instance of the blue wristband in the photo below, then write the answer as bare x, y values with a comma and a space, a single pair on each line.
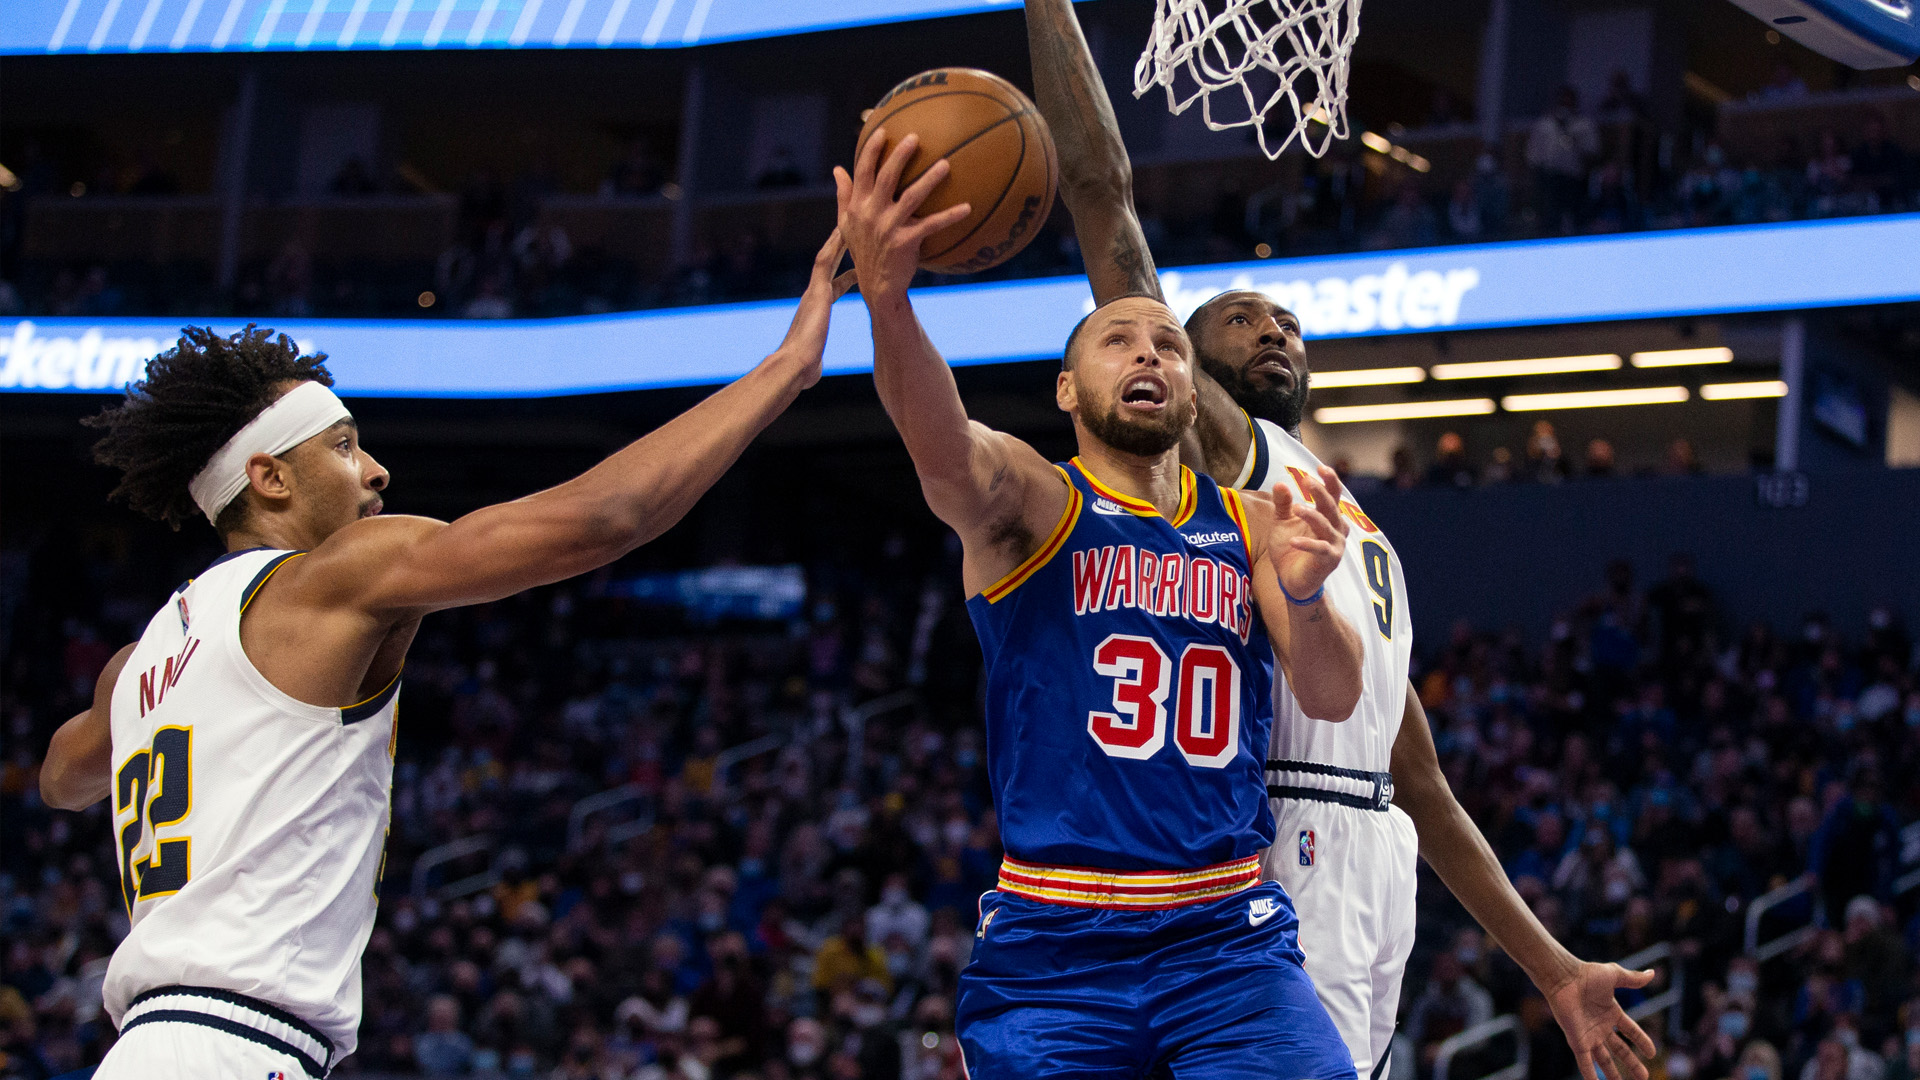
1296, 601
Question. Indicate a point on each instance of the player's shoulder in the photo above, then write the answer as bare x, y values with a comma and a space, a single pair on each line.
340, 565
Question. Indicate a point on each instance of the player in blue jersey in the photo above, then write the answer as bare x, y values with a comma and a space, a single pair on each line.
1353, 802
1131, 615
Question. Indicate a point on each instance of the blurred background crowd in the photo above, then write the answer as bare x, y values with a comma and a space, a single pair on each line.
783, 882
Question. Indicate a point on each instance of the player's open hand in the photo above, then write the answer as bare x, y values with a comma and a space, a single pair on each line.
881, 229
1599, 1030
806, 339
1308, 538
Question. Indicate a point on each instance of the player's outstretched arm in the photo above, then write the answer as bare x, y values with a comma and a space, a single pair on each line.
1096, 183
993, 489
403, 566
78, 770
1580, 993
1298, 546
1096, 177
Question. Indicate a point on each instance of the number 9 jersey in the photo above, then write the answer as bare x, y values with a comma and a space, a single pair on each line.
1129, 686
249, 827
1369, 588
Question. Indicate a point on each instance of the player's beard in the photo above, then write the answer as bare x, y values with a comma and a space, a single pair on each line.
1283, 405
1141, 436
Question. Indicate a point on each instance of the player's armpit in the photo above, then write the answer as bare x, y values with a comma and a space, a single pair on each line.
78, 770
1096, 178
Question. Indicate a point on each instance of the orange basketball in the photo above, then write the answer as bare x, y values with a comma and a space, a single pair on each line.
1002, 156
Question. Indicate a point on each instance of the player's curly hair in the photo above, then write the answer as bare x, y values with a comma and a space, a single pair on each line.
194, 398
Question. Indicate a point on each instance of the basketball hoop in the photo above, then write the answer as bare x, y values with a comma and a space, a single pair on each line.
1267, 52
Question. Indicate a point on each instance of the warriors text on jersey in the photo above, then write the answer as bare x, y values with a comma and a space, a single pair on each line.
1369, 588
249, 826
1129, 686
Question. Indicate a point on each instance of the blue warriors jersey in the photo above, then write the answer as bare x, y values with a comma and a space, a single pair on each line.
1130, 685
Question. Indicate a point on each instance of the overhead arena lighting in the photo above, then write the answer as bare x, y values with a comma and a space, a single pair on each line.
1402, 410
1501, 369
1595, 399
1682, 357
1333, 380
1733, 391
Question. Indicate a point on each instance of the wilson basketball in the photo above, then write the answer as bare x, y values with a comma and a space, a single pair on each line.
1002, 156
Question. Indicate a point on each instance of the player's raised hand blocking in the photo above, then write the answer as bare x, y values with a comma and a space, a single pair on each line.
806, 338
880, 227
1308, 539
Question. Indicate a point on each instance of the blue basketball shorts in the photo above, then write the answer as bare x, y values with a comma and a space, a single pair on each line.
1212, 990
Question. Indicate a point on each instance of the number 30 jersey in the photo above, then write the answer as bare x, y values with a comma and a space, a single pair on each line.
1369, 588
249, 826
1129, 685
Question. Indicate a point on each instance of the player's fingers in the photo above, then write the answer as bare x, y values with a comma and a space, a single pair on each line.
1308, 544
1282, 501
1315, 521
845, 282
1625, 1062
933, 223
827, 260
1332, 480
842, 187
869, 162
1632, 979
1584, 1059
1327, 502
917, 192
887, 181
1641, 1041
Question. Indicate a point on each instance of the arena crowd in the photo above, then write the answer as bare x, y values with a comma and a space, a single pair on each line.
802, 912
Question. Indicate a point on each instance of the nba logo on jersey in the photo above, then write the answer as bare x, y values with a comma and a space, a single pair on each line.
1306, 847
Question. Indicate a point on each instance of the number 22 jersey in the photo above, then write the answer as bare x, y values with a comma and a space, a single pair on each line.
249, 826
1129, 685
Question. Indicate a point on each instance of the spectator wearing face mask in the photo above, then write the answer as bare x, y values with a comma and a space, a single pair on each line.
1759, 1061
897, 913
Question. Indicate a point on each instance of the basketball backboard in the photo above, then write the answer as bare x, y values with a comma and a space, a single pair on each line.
1858, 33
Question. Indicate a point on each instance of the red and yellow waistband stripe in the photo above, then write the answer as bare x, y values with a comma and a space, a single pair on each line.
1189, 495
1141, 889
1238, 512
1019, 574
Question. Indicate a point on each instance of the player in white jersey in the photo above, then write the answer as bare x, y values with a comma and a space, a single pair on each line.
1354, 804
245, 742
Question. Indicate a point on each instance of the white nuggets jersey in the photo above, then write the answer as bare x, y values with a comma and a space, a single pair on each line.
1368, 588
250, 827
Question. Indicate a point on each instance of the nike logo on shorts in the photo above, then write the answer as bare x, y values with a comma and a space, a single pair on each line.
1262, 909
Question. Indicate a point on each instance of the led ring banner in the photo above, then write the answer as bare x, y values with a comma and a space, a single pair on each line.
1591, 279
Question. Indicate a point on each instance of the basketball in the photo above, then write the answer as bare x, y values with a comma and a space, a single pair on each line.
1002, 156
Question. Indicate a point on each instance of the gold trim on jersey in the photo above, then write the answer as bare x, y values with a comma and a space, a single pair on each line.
259, 582
1238, 512
1189, 496
1018, 575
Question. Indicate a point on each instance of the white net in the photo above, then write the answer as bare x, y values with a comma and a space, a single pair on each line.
1260, 56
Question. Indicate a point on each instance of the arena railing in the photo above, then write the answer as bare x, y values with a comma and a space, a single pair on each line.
452, 851
1669, 1000
1479, 1035
590, 805
1909, 857
1763, 951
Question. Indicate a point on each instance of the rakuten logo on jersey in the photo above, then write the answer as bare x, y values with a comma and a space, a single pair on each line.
1116, 577
1394, 299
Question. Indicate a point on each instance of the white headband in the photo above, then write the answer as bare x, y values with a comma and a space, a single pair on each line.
299, 415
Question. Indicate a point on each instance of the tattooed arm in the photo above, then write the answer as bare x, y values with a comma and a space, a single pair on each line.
1096, 179
1096, 182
